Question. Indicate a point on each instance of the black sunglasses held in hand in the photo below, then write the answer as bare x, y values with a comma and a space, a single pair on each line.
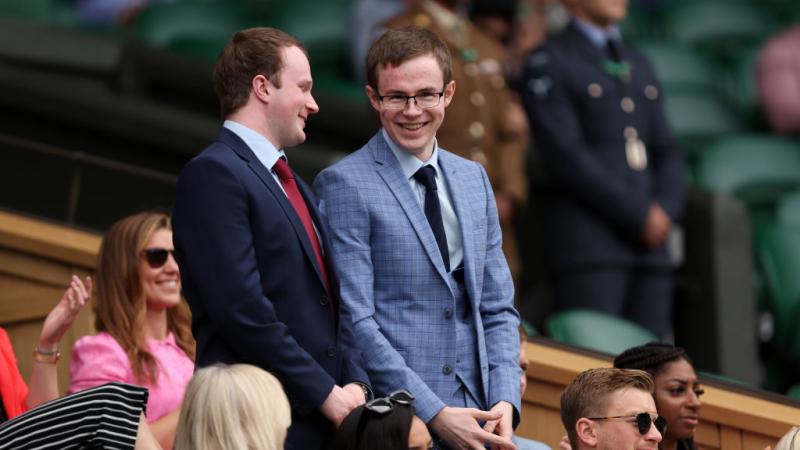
643, 422
157, 257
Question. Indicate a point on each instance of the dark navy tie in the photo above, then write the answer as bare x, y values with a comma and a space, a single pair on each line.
426, 176
614, 49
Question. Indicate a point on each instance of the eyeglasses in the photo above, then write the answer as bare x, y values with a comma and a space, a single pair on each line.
399, 101
383, 405
157, 257
643, 422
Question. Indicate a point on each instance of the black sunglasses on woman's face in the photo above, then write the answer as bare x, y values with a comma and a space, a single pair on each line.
157, 257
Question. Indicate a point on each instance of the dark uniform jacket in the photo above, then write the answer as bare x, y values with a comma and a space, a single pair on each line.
582, 115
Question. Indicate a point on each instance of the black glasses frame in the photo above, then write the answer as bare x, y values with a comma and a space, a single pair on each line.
409, 98
156, 257
383, 405
643, 422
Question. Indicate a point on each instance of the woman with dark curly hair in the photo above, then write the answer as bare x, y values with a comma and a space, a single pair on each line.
677, 392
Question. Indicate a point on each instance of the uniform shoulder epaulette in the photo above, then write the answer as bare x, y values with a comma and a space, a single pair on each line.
422, 20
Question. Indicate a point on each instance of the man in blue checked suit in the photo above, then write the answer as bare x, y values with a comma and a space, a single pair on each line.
415, 231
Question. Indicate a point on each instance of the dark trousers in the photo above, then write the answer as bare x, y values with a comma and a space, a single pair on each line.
641, 295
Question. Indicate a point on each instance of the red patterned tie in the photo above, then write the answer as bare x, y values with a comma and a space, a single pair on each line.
299, 204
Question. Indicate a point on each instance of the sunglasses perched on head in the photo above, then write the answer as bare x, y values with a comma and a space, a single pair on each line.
156, 257
383, 405
643, 421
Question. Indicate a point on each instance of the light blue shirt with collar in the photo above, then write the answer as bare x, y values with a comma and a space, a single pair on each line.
266, 153
597, 35
410, 164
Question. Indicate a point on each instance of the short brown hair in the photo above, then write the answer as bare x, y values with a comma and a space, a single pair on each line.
250, 52
399, 45
587, 394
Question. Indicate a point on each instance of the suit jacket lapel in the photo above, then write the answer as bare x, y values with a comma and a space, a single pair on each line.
461, 205
389, 169
233, 141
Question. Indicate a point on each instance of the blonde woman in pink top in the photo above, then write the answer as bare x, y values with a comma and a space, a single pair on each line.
143, 322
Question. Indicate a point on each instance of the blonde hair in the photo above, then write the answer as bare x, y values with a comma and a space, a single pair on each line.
233, 407
790, 440
121, 305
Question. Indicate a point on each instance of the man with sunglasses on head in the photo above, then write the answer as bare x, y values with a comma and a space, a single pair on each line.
611, 409
416, 233
255, 260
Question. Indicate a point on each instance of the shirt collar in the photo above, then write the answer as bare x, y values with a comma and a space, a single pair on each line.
597, 35
409, 163
260, 145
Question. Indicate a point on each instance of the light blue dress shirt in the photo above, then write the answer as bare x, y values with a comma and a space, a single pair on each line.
266, 153
598, 35
410, 164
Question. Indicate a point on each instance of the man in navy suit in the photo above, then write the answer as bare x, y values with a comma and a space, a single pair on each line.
254, 255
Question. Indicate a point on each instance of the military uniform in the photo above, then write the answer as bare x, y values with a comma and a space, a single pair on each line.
482, 123
609, 154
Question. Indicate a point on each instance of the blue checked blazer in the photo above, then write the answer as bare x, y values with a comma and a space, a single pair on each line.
394, 284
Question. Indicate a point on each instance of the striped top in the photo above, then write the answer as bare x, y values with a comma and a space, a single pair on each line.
105, 416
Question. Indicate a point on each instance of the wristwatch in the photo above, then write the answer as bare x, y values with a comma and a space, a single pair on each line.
367, 391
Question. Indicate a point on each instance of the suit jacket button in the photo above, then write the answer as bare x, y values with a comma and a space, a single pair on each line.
331, 351
448, 313
324, 300
447, 369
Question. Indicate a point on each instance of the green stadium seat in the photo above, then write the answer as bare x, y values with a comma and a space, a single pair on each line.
597, 331
201, 48
321, 25
794, 392
721, 27
163, 24
779, 256
39, 10
698, 119
740, 87
677, 65
787, 211
756, 169
640, 25
43, 11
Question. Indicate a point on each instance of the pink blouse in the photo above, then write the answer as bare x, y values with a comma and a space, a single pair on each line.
100, 359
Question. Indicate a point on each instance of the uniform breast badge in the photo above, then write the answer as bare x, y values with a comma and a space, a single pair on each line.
635, 150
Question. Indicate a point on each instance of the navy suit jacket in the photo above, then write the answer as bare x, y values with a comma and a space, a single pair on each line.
254, 286
598, 204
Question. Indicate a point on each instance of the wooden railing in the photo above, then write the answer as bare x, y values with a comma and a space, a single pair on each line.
37, 259
36, 262
732, 418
